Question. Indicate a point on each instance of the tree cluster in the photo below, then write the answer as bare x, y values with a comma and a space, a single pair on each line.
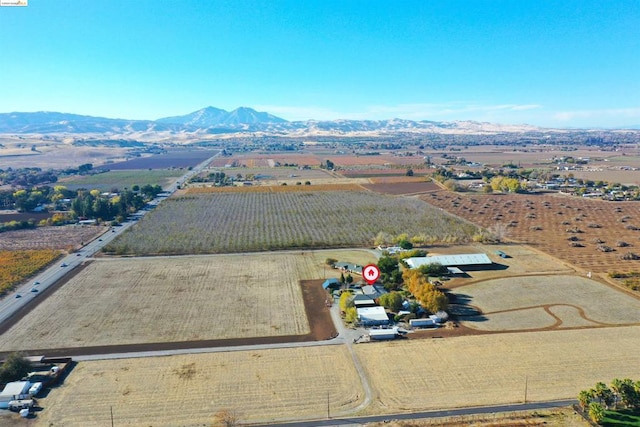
622, 393
430, 298
14, 368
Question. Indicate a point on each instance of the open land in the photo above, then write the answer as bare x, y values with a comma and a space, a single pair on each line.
261, 385
54, 154
255, 221
532, 302
492, 369
67, 237
122, 179
170, 299
174, 158
548, 221
406, 376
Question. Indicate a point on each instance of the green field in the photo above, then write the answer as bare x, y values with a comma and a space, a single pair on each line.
122, 179
244, 222
622, 417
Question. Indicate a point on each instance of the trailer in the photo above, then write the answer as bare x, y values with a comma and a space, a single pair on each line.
423, 323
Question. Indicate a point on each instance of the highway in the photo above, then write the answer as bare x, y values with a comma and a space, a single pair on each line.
28, 292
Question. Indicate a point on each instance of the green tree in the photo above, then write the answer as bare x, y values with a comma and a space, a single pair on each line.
349, 279
604, 394
14, 368
391, 301
409, 172
596, 412
584, 398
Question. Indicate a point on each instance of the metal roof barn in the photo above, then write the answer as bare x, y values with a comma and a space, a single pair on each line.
449, 260
383, 334
372, 316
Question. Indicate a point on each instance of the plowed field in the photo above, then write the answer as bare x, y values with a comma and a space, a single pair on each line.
547, 222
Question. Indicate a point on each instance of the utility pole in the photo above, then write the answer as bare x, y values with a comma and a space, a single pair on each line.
526, 383
111, 407
328, 413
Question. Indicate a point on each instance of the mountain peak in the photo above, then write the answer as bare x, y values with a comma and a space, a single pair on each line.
211, 117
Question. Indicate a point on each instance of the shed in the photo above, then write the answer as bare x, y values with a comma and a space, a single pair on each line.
332, 284
362, 300
372, 316
450, 260
14, 391
383, 334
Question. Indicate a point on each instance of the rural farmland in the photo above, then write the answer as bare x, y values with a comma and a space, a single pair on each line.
262, 385
129, 301
168, 299
258, 221
122, 179
531, 302
573, 229
493, 369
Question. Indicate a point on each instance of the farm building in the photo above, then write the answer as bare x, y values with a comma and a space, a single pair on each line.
431, 321
372, 316
14, 391
332, 284
384, 334
362, 300
462, 260
348, 268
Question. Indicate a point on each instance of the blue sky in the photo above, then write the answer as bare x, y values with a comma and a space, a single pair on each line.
548, 63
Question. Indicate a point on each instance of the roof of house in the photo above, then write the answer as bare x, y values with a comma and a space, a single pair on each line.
16, 388
449, 260
327, 283
372, 313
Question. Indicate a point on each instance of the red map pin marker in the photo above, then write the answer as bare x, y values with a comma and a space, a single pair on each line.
371, 273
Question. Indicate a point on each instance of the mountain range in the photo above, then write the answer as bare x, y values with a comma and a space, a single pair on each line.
211, 120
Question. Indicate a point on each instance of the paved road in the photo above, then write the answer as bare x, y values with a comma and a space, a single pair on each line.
359, 421
28, 292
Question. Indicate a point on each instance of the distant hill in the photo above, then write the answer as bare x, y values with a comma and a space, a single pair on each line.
215, 117
211, 120
53, 122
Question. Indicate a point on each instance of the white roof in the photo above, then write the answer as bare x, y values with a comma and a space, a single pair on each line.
372, 313
383, 332
449, 260
16, 387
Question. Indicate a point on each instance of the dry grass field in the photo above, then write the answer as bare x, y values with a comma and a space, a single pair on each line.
547, 222
531, 302
492, 369
269, 385
167, 299
188, 390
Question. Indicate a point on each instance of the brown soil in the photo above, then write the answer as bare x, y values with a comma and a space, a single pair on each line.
547, 222
66, 237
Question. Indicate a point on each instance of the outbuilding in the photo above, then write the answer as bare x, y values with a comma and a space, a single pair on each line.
14, 391
332, 284
372, 316
383, 334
